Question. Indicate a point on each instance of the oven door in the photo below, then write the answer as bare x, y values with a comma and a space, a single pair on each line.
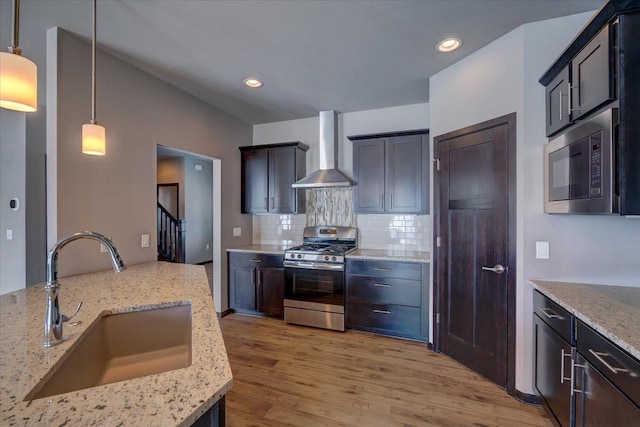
314, 285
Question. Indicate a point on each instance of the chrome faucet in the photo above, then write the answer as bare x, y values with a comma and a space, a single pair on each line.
53, 319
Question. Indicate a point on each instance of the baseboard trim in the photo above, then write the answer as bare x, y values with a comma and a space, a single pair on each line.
225, 313
529, 399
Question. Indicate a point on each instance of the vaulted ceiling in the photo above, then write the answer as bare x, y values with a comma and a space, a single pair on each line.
312, 55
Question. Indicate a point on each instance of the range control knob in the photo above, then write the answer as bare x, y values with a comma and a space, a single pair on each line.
293, 255
326, 257
299, 256
333, 258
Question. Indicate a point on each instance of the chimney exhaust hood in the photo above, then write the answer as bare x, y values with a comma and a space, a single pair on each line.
328, 175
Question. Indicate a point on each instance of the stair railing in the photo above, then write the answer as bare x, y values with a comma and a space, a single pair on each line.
172, 234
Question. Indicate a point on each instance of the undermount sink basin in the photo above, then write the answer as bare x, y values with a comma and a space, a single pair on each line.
123, 346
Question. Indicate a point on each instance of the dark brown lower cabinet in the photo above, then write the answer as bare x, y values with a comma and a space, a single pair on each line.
256, 283
388, 297
214, 417
584, 379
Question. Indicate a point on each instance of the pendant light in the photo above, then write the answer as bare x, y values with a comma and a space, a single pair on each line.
18, 75
93, 135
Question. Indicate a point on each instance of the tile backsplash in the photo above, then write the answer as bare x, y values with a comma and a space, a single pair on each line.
334, 207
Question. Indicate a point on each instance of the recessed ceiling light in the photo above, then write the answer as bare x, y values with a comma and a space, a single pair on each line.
251, 82
449, 45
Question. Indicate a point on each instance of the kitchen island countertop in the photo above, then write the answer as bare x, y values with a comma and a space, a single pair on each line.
613, 311
177, 397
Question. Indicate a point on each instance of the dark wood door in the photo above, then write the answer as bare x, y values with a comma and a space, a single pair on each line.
368, 167
255, 182
475, 195
271, 291
404, 174
281, 175
590, 75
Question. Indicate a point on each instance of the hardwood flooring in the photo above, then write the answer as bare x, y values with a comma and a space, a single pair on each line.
287, 375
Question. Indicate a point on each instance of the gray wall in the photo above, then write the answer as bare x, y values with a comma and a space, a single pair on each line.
36, 197
12, 184
116, 194
198, 207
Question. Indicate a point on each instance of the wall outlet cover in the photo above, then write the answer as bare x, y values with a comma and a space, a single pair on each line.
144, 242
237, 231
542, 250
103, 248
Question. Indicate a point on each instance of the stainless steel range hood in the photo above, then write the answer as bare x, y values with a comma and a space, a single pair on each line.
328, 175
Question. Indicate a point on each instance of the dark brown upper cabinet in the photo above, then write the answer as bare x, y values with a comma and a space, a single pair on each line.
391, 172
268, 171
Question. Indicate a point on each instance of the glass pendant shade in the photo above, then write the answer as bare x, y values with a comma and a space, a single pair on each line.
18, 83
93, 139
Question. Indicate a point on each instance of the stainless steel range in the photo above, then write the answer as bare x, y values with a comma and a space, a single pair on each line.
315, 277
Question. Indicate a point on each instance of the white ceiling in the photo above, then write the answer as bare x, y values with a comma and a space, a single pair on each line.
311, 55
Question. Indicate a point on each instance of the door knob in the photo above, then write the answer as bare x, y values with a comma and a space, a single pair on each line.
498, 269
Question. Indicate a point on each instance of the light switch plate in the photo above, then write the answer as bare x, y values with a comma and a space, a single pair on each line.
103, 248
542, 250
144, 241
9, 234
237, 231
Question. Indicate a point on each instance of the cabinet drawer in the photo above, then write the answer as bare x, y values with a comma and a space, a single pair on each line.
400, 270
613, 362
396, 318
384, 291
555, 316
255, 259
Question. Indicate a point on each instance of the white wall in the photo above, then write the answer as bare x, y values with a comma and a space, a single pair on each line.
12, 185
116, 194
502, 78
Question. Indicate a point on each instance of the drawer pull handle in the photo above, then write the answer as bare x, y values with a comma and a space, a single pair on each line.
382, 311
381, 285
256, 260
553, 314
574, 367
562, 356
599, 354
381, 269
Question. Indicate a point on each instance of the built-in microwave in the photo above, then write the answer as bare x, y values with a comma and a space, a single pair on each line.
580, 167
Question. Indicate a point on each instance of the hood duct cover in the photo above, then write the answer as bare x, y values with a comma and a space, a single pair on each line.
328, 175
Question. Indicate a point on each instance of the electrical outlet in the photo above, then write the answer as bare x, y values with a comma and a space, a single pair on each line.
9, 234
103, 248
237, 231
144, 241
206, 246
542, 250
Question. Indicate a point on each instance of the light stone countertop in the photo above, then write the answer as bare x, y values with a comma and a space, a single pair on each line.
614, 311
174, 398
389, 255
265, 249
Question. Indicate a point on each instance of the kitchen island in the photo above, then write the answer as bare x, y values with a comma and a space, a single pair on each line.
172, 398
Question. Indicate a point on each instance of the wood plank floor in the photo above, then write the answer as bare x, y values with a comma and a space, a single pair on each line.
287, 375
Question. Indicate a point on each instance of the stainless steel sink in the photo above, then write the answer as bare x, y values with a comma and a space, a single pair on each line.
123, 346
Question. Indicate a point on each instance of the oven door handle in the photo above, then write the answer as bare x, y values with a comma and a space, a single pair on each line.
313, 265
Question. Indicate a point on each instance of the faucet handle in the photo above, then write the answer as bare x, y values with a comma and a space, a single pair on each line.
66, 319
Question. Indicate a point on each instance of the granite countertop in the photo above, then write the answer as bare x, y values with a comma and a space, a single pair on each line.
171, 398
614, 311
265, 249
390, 255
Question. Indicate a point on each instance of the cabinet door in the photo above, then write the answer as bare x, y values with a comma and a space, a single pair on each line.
599, 402
403, 174
242, 287
255, 181
557, 102
271, 291
282, 167
368, 169
553, 371
590, 75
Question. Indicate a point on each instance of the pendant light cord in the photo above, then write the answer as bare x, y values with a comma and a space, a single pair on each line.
93, 68
16, 29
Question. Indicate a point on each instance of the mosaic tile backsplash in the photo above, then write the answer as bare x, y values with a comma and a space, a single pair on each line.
334, 207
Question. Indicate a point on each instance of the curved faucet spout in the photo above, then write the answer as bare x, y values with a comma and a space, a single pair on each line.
53, 318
